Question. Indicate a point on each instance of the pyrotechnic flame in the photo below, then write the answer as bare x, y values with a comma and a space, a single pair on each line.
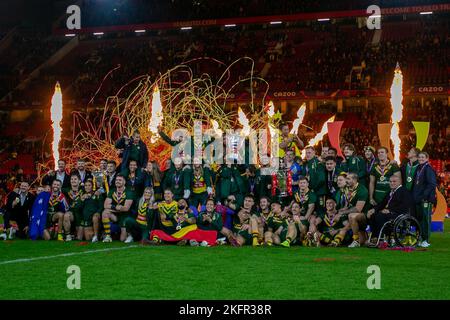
56, 114
300, 115
397, 110
157, 114
216, 128
244, 122
319, 137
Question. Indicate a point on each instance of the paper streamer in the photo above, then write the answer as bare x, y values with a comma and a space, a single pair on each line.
384, 134
334, 130
422, 130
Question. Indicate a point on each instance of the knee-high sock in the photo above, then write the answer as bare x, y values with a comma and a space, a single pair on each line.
107, 226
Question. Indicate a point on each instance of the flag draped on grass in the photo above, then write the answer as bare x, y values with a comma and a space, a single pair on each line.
39, 215
187, 233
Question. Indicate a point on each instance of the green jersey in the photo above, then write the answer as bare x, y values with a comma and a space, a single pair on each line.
356, 165
304, 200
275, 222
329, 224
382, 173
180, 219
93, 204
409, 174
119, 198
134, 152
177, 181
358, 193
215, 224
314, 171
340, 197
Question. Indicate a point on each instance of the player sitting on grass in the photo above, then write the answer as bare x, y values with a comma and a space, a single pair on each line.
166, 209
211, 220
117, 208
307, 199
280, 231
74, 215
183, 218
330, 230
139, 228
92, 206
258, 221
241, 225
57, 207
300, 221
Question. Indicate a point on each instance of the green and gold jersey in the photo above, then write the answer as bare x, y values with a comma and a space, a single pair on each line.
304, 200
169, 209
177, 219
143, 213
357, 193
74, 199
382, 173
237, 223
119, 198
275, 222
329, 224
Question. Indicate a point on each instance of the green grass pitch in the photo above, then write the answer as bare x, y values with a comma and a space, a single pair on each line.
171, 272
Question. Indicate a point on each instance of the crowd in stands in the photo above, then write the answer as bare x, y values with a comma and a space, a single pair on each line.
27, 52
121, 12
297, 61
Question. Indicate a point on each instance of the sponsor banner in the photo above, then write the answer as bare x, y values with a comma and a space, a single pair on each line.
433, 89
257, 20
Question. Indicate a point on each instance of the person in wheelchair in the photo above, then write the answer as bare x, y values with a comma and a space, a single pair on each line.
397, 202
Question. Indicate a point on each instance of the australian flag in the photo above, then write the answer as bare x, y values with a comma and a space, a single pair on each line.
39, 215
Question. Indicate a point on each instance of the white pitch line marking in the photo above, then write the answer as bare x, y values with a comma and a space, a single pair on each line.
64, 255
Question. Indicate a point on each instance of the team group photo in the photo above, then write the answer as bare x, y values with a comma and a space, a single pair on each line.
212, 150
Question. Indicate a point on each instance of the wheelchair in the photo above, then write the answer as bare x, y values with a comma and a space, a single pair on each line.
403, 231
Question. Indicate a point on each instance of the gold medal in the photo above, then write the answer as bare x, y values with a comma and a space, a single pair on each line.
409, 179
382, 178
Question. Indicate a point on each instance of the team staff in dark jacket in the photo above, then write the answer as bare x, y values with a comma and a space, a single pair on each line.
132, 149
60, 174
18, 207
81, 172
424, 194
398, 201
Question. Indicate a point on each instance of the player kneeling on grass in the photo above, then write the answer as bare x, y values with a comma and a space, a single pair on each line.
241, 223
212, 220
74, 215
280, 230
92, 205
331, 229
57, 207
117, 208
139, 228
258, 221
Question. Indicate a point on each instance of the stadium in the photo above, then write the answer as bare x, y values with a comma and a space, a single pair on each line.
224, 150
